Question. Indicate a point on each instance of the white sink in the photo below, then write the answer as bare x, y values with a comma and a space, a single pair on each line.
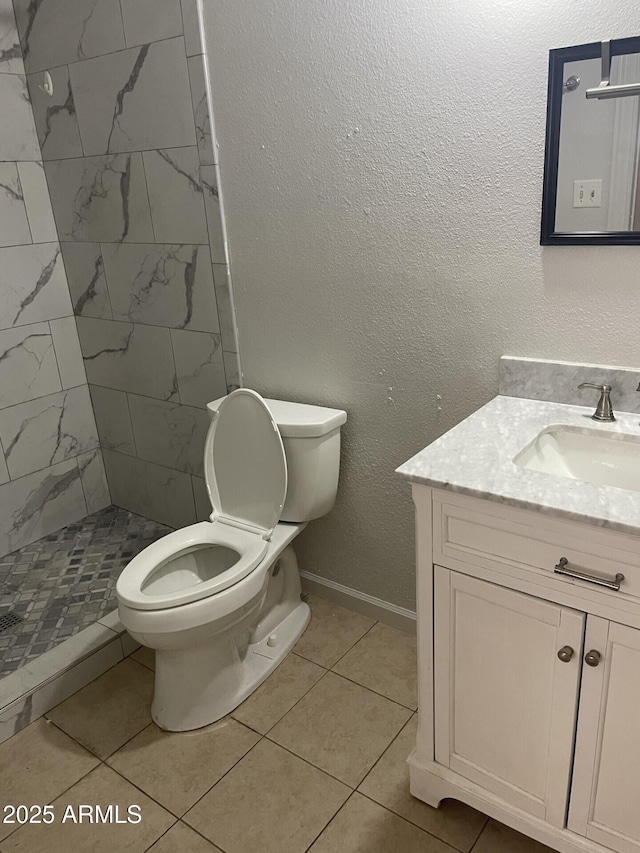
592, 455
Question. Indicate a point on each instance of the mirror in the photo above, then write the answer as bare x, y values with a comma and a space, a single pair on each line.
591, 192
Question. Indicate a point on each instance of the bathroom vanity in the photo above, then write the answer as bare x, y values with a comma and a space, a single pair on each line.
528, 603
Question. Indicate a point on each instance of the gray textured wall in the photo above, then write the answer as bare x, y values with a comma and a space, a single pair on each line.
382, 171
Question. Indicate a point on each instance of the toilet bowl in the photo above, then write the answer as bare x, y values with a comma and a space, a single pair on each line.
219, 600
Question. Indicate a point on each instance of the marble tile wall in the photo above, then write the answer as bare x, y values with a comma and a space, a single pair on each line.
557, 382
51, 467
132, 170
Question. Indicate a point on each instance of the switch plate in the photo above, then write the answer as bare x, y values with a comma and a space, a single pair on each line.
587, 193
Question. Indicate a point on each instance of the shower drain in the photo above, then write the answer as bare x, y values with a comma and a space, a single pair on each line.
9, 620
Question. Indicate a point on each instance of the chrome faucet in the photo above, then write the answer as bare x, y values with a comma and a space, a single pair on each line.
604, 409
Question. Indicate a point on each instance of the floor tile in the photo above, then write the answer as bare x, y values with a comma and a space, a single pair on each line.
388, 784
101, 787
498, 838
108, 712
177, 768
145, 656
279, 693
385, 661
365, 827
182, 839
341, 728
270, 801
39, 763
331, 632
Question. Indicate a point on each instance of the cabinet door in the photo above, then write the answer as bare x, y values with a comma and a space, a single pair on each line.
505, 703
605, 792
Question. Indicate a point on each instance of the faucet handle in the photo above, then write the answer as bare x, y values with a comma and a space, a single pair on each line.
604, 409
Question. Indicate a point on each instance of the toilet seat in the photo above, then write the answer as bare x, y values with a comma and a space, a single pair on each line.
246, 475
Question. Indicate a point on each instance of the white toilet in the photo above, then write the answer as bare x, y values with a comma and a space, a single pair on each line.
219, 601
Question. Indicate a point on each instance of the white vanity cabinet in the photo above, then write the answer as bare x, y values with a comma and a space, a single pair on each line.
529, 680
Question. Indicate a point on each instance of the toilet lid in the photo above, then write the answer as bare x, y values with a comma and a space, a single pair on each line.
244, 462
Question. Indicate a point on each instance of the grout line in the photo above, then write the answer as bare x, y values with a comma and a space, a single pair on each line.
265, 734
484, 826
101, 55
356, 642
310, 763
69, 787
377, 692
159, 838
135, 394
105, 154
142, 791
217, 782
378, 760
329, 822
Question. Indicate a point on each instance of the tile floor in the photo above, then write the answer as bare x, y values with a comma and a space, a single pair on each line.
314, 760
66, 581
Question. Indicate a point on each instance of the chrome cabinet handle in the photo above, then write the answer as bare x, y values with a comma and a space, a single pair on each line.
565, 654
592, 658
561, 569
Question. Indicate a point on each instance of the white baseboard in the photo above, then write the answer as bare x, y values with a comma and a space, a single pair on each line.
360, 602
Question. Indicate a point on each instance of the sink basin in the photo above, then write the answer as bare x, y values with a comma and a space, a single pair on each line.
592, 455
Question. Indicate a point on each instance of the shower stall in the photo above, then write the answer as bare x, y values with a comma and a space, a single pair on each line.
116, 320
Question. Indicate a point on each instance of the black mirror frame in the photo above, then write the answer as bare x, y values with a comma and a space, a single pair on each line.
548, 236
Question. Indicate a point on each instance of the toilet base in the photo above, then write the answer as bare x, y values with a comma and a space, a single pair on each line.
194, 687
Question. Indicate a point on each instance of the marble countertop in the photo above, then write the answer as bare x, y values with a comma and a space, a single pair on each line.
476, 458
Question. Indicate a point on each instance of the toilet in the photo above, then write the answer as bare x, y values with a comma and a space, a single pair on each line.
220, 601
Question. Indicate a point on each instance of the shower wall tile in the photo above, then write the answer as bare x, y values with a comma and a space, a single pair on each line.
55, 117
100, 199
168, 433
111, 409
40, 503
201, 110
214, 217
161, 285
14, 225
69, 356
150, 489
38, 285
37, 434
37, 202
57, 33
28, 366
134, 100
127, 143
232, 370
43, 428
192, 36
200, 367
175, 195
201, 498
129, 357
226, 311
18, 138
10, 52
94, 481
87, 282
4, 471
150, 20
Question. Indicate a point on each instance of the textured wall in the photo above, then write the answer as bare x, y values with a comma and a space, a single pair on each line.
51, 470
382, 170
131, 165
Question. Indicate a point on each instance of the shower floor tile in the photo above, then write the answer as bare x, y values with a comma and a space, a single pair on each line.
66, 581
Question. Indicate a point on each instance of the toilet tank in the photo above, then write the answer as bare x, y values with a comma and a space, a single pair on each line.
311, 439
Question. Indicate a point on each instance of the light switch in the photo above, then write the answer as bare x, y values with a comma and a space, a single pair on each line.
587, 193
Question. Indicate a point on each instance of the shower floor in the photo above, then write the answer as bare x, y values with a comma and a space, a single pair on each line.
61, 584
